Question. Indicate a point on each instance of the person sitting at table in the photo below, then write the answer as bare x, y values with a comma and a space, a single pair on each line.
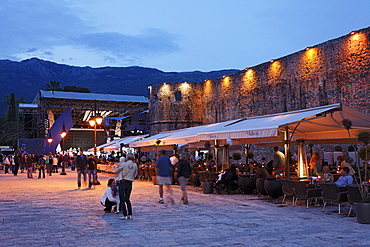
325, 176
261, 171
343, 163
251, 170
110, 197
344, 179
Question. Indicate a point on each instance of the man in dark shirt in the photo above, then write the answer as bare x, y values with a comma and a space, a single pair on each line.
81, 163
164, 171
91, 169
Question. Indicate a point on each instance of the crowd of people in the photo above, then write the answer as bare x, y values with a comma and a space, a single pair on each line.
129, 167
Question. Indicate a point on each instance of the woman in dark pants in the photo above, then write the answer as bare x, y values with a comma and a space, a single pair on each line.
127, 172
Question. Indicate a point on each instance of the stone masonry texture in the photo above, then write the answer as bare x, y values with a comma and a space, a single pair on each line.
336, 71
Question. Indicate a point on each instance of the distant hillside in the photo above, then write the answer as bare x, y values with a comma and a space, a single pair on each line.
27, 77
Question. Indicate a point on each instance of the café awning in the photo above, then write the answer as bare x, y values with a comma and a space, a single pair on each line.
190, 135
319, 125
115, 144
123, 141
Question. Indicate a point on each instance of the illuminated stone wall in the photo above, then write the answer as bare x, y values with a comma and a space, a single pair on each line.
331, 72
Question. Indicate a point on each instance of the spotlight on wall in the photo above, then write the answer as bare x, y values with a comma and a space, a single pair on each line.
272, 60
353, 32
307, 48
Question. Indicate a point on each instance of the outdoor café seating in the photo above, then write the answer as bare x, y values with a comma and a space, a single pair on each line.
260, 185
302, 191
246, 184
287, 189
273, 187
354, 195
331, 194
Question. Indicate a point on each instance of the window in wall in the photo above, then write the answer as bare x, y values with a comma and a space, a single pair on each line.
178, 96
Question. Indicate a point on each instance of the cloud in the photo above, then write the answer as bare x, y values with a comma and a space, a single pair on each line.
39, 28
150, 42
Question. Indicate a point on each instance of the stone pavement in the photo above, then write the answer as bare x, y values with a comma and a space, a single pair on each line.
53, 212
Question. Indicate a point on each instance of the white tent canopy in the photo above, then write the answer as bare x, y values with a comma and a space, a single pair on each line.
125, 141
103, 145
320, 124
190, 135
315, 125
116, 144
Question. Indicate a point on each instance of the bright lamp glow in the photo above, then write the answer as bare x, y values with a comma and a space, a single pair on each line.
92, 122
98, 119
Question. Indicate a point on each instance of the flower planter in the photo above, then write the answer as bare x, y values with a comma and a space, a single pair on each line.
207, 187
246, 185
273, 187
362, 212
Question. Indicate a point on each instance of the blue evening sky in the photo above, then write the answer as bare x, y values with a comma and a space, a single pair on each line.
172, 35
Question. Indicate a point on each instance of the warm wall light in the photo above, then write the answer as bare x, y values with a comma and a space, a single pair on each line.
272, 60
353, 32
185, 85
308, 48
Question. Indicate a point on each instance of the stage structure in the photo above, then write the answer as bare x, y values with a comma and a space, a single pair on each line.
37, 118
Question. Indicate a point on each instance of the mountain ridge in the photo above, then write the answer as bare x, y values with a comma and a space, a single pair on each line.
27, 77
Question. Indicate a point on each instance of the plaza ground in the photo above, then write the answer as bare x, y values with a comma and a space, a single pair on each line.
53, 212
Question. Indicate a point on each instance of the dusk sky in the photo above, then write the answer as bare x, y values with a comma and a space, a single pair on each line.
172, 35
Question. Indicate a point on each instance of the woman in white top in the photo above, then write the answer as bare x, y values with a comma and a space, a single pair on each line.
110, 197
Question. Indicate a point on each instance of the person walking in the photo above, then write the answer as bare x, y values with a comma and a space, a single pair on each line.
184, 172
17, 163
54, 168
127, 171
91, 170
81, 163
164, 171
41, 164
29, 165
6, 163
49, 164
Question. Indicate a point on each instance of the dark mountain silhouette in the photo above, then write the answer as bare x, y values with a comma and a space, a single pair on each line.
27, 77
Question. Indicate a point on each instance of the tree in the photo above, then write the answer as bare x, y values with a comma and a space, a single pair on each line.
53, 86
76, 89
9, 125
12, 111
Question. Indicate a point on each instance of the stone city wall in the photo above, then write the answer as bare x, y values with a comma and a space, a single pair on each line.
331, 72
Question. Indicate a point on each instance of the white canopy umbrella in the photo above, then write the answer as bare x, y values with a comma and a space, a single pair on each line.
190, 135
321, 124
125, 141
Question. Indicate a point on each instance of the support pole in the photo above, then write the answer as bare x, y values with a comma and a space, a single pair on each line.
287, 151
216, 155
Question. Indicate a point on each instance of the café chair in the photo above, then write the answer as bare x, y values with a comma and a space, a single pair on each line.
332, 195
287, 189
301, 191
354, 195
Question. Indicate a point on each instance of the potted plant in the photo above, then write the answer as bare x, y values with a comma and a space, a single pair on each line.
237, 156
363, 208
